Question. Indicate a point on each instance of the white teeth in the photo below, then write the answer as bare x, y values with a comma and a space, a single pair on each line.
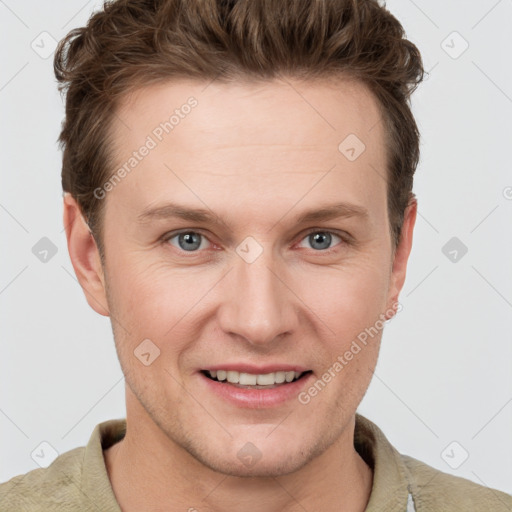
266, 379
250, 379
233, 377
280, 377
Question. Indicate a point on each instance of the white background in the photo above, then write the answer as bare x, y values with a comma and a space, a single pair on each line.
445, 369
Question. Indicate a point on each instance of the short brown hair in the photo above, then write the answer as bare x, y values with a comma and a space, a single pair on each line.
132, 43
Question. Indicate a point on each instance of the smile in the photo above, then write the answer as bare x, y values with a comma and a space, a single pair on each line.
255, 388
254, 381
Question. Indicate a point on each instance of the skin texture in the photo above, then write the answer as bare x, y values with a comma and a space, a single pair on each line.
256, 155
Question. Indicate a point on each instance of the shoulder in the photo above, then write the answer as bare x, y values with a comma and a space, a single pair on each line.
433, 489
54, 487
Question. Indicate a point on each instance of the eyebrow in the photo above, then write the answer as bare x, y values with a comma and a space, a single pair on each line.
174, 210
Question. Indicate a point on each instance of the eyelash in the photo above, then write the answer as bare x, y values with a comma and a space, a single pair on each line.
345, 240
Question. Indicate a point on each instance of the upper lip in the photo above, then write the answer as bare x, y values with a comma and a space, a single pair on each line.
259, 370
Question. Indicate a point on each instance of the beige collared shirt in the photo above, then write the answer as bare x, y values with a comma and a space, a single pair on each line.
77, 480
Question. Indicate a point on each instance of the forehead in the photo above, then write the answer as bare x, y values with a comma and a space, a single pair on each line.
237, 142
326, 109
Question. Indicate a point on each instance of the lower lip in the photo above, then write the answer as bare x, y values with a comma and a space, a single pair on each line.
257, 398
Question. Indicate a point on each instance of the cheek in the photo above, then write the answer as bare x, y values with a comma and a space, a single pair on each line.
147, 302
159, 303
348, 299
349, 302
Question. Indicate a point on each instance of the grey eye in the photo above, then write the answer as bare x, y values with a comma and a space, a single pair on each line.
321, 240
188, 241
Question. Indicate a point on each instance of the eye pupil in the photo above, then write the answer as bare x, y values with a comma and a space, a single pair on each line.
323, 238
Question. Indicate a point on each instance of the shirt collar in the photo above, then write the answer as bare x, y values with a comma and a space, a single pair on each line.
96, 486
391, 489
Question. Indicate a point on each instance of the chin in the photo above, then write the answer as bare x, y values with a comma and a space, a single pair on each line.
277, 457
272, 468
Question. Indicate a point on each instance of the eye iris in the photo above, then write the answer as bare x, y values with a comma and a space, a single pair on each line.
323, 238
191, 240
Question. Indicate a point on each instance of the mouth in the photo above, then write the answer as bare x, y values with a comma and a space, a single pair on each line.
262, 381
250, 386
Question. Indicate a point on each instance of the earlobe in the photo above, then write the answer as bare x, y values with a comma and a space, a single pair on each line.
403, 250
84, 255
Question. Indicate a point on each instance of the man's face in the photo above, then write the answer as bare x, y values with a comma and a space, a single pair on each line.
253, 289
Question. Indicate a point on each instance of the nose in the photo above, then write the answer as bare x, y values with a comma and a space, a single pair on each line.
259, 306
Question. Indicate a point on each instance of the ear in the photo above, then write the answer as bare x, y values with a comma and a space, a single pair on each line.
85, 256
401, 255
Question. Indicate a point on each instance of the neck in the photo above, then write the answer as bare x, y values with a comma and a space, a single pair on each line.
148, 471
